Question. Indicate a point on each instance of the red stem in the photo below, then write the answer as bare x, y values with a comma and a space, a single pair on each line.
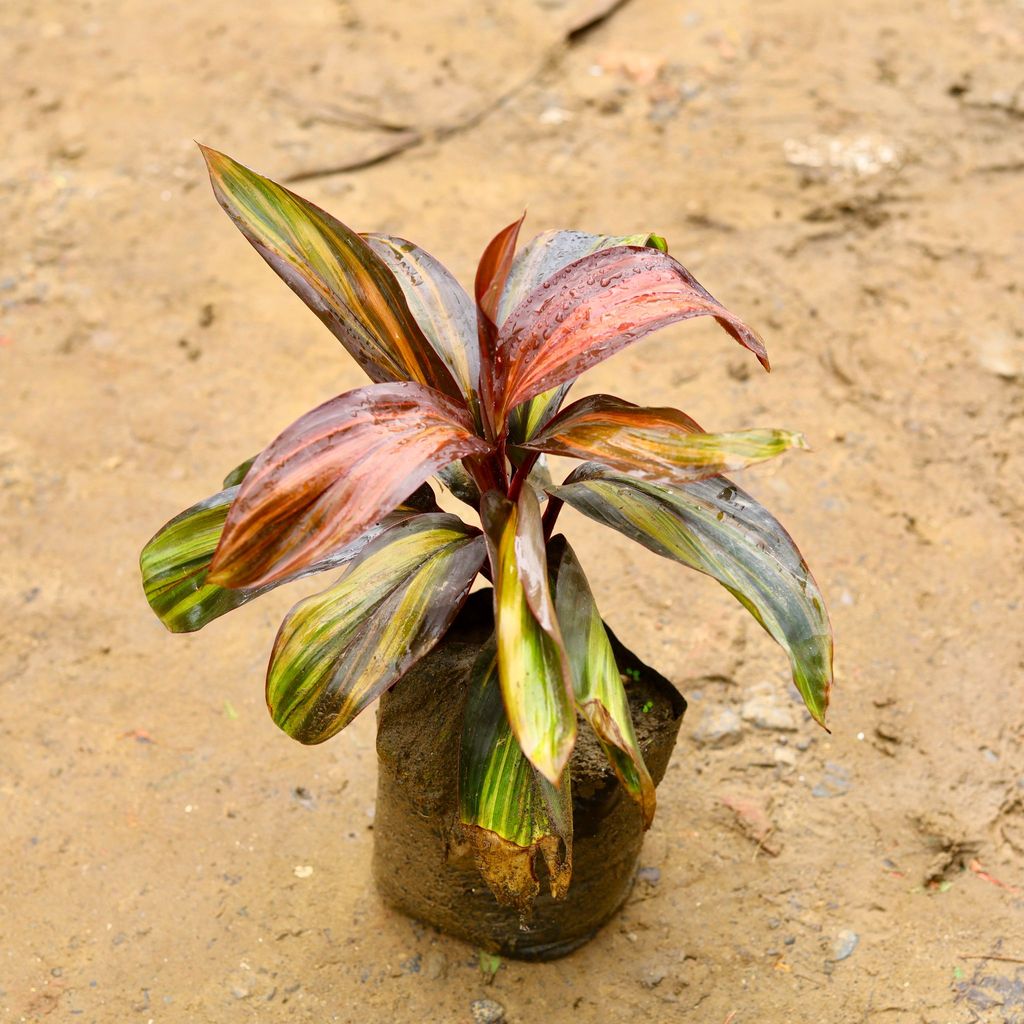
521, 474
551, 515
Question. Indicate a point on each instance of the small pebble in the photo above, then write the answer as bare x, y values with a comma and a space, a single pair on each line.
769, 712
435, 966
302, 871
717, 728
653, 975
835, 782
784, 756
304, 797
486, 1011
846, 942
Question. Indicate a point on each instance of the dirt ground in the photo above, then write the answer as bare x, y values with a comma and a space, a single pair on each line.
846, 177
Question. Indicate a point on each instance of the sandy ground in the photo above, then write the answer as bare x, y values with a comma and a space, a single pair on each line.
847, 177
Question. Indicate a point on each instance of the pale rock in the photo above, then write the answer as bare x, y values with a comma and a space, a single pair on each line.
717, 728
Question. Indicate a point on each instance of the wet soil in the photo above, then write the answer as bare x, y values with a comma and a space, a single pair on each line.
848, 178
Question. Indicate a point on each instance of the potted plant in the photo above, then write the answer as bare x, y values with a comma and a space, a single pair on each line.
490, 782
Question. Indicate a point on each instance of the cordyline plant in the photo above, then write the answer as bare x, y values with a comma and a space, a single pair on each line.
472, 392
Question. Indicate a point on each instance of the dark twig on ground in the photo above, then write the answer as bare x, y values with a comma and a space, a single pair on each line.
405, 137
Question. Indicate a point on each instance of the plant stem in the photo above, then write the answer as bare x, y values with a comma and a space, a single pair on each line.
521, 474
484, 473
551, 515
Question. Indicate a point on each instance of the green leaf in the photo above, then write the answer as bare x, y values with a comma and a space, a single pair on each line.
337, 651
441, 307
510, 813
663, 445
536, 680
237, 475
334, 472
334, 271
175, 563
596, 680
547, 253
714, 527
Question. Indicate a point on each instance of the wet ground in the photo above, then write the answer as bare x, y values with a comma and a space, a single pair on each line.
849, 179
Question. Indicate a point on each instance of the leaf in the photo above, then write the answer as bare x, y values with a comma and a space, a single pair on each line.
334, 271
176, 561
527, 417
546, 254
596, 680
714, 527
655, 444
491, 272
337, 651
461, 484
509, 812
594, 308
334, 472
536, 680
441, 307
237, 475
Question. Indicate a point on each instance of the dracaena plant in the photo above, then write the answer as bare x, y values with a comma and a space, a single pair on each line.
472, 391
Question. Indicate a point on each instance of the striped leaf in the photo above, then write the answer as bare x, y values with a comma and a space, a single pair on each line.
491, 273
333, 473
714, 527
655, 444
594, 308
596, 680
493, 270
547, 253
441, 307
536, 680
334, 271
175, 564
339, 650
509, 812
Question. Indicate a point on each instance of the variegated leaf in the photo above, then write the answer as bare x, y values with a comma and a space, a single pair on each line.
337, 651
592, 309
545, 254
334, 271
536, 680
596, 680
509, 812
714, 527
333, 473
461, 484
655, 444
441, 307
175, 563
491, 272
